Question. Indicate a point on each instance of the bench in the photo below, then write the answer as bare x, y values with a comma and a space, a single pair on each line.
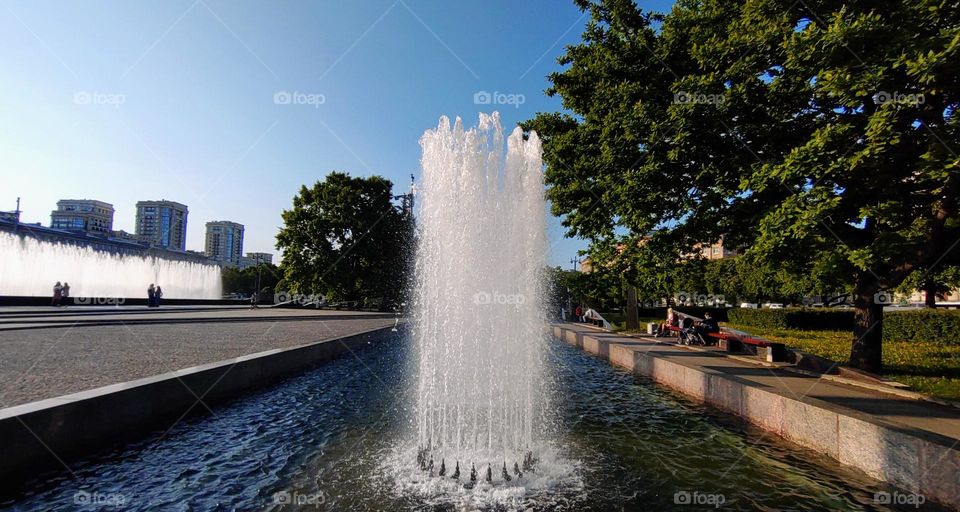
739, 342
767, 350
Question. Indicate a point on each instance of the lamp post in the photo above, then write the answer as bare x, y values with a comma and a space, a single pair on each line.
259, 270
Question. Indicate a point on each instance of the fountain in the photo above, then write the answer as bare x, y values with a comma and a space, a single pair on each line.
30, 267
478, 320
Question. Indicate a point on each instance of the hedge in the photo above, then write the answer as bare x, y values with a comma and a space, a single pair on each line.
910, 325
938, 325
794, 318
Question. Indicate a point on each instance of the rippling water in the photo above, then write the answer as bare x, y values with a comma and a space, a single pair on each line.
329, 439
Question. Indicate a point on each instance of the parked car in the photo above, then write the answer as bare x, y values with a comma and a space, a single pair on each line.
747, 305
773, 305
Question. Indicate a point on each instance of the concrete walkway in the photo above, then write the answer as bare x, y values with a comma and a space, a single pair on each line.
908, 442
78, 349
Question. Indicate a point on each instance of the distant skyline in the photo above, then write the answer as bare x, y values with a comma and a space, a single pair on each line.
229, 107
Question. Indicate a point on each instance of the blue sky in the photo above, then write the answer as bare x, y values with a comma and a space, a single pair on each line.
123, 101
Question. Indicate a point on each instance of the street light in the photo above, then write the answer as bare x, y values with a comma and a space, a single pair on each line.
259, 270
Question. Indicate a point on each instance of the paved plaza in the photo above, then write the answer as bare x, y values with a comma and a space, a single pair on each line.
48, 352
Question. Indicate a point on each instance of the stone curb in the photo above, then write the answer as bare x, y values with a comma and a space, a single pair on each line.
915, 460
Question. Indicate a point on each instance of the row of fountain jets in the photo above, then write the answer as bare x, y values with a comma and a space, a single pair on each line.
425, 461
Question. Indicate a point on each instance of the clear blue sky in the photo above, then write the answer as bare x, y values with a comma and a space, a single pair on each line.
123, 101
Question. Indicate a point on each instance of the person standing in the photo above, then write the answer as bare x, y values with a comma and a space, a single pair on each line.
57, 293
65, 293
151, 294
157, 294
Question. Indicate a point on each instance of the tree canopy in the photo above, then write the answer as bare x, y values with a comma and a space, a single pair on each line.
346, 238
815, 135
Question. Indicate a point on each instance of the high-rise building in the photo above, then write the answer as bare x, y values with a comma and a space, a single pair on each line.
86, 215
163, 224
224, 242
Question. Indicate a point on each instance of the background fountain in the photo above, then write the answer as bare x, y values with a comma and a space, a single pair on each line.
30, 267
478, 321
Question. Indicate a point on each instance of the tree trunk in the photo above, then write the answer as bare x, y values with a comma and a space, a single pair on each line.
633, 322
930, 294
866, 351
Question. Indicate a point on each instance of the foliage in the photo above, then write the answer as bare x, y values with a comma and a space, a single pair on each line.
928, 367
917, 325
923, 325
793, 318
794, 130
345, 238
244, 281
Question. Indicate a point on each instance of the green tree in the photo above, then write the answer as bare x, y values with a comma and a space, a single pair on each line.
814, 133
346, 238
244, 281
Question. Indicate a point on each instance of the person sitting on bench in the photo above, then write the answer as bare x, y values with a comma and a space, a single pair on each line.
706, 326
663, 329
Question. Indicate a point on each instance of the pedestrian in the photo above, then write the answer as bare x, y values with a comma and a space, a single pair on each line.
254, 300
151, 294
65, 293
579, 314
157, 294
57, 293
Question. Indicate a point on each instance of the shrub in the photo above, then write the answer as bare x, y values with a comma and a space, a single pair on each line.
793, 318
933, 325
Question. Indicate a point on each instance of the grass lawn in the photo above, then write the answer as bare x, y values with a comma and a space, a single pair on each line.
927, 367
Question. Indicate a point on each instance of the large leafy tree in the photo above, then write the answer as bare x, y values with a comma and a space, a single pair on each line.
347, 238
244, 281
820, 135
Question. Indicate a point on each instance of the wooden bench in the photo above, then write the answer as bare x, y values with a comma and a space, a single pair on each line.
738, 342
767, 350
